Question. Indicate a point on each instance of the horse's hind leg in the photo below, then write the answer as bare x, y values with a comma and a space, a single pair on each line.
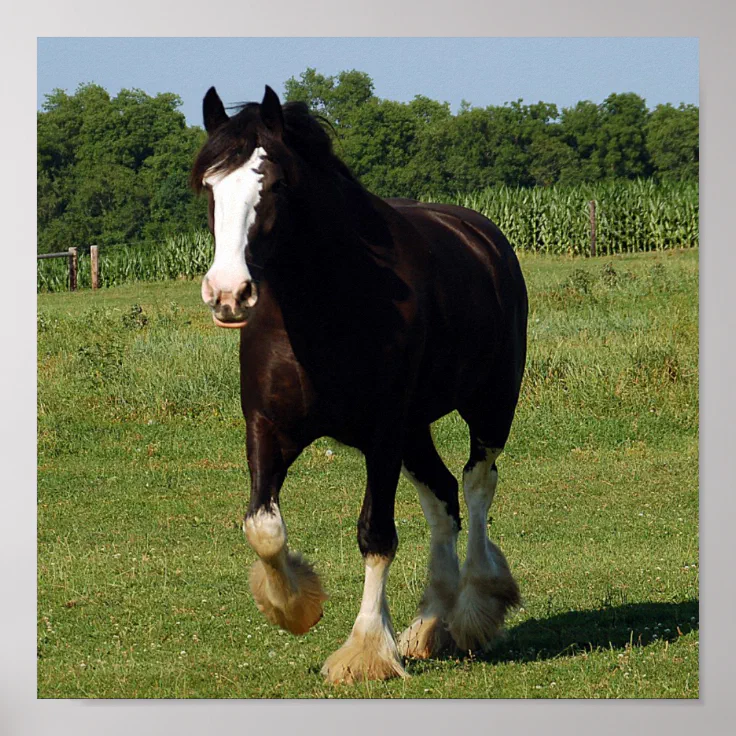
427, 635
487, 588
286, 589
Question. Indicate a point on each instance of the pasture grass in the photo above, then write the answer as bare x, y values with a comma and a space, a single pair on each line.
142, 565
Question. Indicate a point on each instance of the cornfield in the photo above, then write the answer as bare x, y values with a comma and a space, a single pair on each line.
177, 257
630, 217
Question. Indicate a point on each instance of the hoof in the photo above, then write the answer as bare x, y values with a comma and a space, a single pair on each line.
290, 597
425, 638
364, 657
480, 610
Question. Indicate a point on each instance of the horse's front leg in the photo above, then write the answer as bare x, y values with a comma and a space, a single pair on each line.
370, 652
285, 587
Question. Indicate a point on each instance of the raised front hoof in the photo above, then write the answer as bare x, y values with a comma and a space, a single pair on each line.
478, 616
425, 638
292, 599
363, 658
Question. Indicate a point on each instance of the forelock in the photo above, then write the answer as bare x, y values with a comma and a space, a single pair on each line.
229, 147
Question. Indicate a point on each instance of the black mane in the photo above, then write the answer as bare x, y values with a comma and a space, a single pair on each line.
231, 145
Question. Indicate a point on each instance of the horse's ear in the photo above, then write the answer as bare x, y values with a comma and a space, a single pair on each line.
213, 111
271, 112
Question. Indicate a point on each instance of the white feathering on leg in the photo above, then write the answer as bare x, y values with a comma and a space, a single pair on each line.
487, 588
370, 651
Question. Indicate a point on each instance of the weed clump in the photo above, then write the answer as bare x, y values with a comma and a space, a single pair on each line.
135, 318
580, 281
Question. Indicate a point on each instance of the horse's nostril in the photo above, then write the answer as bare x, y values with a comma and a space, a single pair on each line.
246, 294
242, 292
208, 293
250, 294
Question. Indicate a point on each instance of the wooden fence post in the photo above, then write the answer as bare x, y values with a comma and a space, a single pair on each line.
592, 227
94, 265
72, 269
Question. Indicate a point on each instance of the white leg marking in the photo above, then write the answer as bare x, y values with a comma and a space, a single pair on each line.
426, 635
487, 588
479, 488
266, 532
443, 531
287, 590
370, 651
373, 614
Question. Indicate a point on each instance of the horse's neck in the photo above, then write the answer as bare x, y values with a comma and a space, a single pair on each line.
338, 258
341, 231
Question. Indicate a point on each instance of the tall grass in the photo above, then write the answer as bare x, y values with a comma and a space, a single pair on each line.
630, 217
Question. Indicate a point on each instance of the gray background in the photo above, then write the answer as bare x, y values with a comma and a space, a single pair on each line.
710, 20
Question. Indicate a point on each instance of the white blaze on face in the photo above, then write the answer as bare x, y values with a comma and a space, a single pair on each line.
236, 195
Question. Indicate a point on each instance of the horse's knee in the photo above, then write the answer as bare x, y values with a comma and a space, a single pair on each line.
266, 532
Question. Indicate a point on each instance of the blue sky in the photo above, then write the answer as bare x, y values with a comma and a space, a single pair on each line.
483, 71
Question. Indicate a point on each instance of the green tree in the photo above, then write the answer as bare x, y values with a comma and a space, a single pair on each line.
113, 169
60, 126
523, 133
109, 206
166, 176
622, 150
336, 97
116, 169
381, 139
513, 144
672, 141
427, 173
379, 144
580, 130
551, 160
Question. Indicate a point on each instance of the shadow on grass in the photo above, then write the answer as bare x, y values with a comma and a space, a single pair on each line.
574, 632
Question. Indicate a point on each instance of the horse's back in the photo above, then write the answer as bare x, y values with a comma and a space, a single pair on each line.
476, 305
450, 227
469, 254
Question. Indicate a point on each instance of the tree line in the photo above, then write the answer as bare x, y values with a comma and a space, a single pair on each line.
115, 169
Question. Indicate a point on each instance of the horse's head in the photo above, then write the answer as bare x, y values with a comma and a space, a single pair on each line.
243, 168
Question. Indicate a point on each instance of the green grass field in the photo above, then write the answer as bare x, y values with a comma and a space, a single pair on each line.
142, 566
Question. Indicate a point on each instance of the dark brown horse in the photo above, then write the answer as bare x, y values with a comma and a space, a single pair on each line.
364, 320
